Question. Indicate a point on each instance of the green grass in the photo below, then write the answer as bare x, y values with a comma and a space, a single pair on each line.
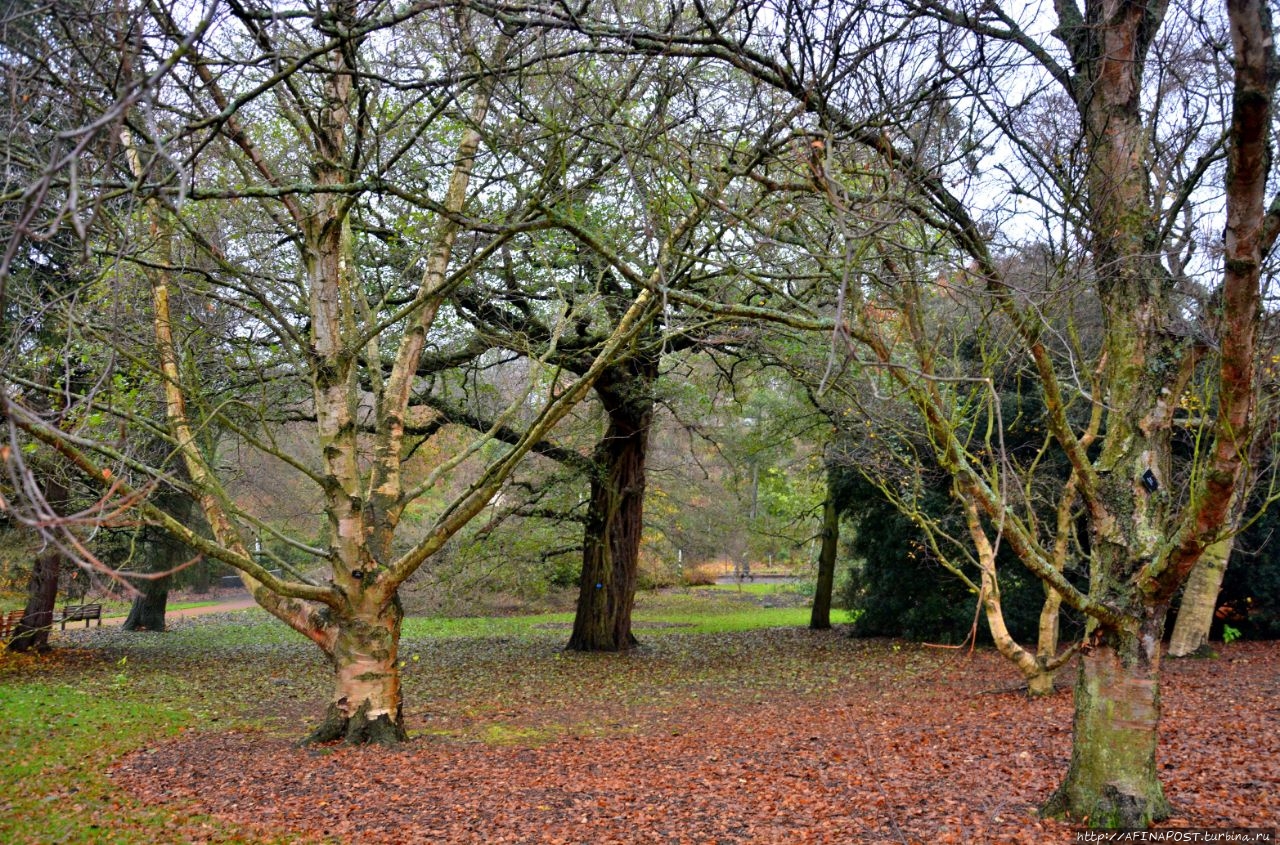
57, 743
741, 620
187, 605
700, 611
754, 588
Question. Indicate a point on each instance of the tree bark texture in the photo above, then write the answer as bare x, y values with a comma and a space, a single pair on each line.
1112, 780
32, 633
1041, 684
1038, 673
615, 516
148, 609
164, 554
820, 616
366, 706
1199, 600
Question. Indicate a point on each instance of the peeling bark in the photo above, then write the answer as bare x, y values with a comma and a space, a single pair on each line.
1112, 781
367, 706
1199, 600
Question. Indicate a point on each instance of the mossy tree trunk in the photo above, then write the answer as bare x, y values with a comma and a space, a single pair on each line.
1112, 781
366, 706
615, 515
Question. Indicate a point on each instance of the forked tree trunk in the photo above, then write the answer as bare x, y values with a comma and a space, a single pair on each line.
615, 516
1038, 669
820, 616
1112, 781
1199, 600
366, 705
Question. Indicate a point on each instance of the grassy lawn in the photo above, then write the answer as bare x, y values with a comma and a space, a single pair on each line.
59, 738
104, 693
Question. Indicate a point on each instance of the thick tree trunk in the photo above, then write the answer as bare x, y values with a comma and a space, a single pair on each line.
615, 516
42, 597
42, 590
366, 706
1112, 781
1199, 600
147, 612
820, 616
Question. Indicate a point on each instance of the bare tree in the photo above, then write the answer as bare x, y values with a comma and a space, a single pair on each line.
1128, 181
265, 170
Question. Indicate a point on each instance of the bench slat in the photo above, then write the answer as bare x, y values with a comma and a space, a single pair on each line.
9, 624
77, 612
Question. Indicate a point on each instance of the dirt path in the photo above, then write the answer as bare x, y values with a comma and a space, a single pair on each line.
242, 603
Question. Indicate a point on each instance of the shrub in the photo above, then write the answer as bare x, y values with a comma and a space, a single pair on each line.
653, 573
699, 575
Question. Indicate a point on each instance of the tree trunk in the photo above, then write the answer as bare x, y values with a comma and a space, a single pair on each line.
366, 706
147, 612
163, 554
820, 616
1112, 780
32, 633
1041, 684
1199, 600
615, 516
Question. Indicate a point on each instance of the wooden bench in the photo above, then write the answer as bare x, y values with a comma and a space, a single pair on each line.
76, 612
9, 624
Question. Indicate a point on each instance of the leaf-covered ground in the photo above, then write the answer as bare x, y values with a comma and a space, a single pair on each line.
774, 736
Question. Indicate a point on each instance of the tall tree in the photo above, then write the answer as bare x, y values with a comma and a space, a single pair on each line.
1117, 176
267, 166
640, 224
820, 614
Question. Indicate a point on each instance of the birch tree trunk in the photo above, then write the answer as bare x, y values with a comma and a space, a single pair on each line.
1112, 780
1199, 600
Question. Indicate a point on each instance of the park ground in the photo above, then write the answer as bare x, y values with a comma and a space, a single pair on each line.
732, 724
